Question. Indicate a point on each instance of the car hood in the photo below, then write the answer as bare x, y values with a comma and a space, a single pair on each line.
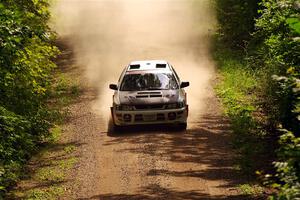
148, 97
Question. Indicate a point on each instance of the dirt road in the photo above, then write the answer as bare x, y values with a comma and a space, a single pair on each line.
151, 162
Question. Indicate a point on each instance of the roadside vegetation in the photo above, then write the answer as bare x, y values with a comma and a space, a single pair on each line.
33, 93
48, 172
257, 49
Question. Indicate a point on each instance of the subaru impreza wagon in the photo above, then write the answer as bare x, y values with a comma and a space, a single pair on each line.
149, 92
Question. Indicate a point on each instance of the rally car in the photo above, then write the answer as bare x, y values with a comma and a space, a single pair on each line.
149, 92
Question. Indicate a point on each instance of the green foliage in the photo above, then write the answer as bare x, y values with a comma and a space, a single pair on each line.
237, 89
288, 167
25, 55
69, 149
248, 189
26, 67
278, 29
280, 52
50, 174
55, 134
65, 89
236, 21
273, 55
16, 144
49, 193
294, 24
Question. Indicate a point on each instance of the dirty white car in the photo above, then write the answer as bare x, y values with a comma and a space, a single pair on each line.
149, 92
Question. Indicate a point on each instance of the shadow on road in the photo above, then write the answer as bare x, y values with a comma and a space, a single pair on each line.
205, 143
142, 129
45, 171
156, 193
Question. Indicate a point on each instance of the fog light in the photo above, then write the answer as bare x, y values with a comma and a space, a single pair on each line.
138, 117
160, 116
127, 117
180, 113
119, 116
172, 116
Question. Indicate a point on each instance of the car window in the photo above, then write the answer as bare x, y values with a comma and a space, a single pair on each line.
175, 73
149, 81
123, 72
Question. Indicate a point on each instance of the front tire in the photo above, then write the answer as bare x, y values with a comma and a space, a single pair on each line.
117, 128
182, 126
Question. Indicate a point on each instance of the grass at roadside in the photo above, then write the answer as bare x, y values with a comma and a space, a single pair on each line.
247, 189
237, 87
64, 91
48, 171
46, 175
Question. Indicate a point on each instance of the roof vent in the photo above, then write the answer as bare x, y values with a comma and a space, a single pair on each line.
134, 66
161, 65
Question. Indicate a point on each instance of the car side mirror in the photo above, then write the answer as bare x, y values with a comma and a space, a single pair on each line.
113, 86
184, 84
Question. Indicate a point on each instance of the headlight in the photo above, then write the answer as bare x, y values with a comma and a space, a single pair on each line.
175, 105
180, 104
127, 107
172, 106
124, 107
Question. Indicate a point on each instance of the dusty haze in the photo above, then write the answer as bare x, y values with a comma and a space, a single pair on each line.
107, 34
144, 163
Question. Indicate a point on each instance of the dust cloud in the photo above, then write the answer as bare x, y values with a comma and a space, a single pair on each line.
108, 34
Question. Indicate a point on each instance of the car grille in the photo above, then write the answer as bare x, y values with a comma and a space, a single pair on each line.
148, 94
171, 116
150, 107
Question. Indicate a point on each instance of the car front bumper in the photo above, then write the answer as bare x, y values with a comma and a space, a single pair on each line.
136, 117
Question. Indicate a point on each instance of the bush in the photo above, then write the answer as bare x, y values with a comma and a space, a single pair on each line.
288, 167
26, 66
16, 145
236, 21
271, 30
279, 29
237, 90
280, 53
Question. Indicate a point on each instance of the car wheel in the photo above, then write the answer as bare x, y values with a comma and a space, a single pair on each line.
117, 128
182, 126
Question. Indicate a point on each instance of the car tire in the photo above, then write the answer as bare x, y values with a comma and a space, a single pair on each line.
117, 128
182, 126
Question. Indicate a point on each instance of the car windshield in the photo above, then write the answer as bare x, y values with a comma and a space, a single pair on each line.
148, 81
